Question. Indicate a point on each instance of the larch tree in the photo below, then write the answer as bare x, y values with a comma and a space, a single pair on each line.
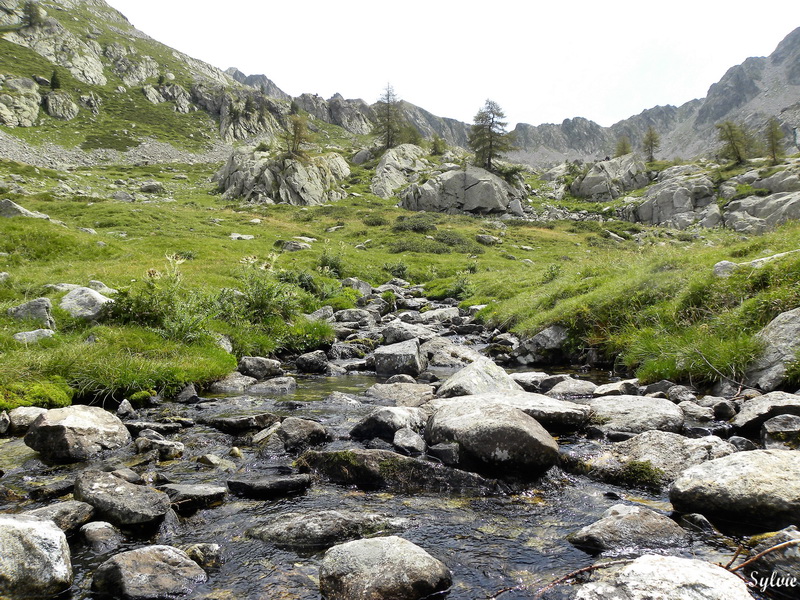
624, 146
488, 138
734, 142
651, 143
389, 120
773, 136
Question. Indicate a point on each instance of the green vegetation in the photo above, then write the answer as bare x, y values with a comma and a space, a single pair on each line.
623, 146
651, 143
641, 473
488, 138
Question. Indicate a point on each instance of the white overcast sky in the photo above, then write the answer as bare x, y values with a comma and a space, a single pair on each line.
542, 62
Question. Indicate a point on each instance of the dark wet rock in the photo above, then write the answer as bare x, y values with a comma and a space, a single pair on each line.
298, 434
650, 576
147, 573
441, 352
239, 424
403, 357
625, 527
137, 427
51, 490
76, 433
661, 387
102, 536
35, 561
235, 383
5, 422
742, 444
635, 414
312, 362
188, 395
191, 497
385, 422
267, 487
208, 556
383, 469
447, 452
384, 567
660, 456
277, 386
325, 528
259, 367
480, 377
493, 438
401, 394
756, 411
781, 433
69, 515
760, 487
681, 393
120, 502
530, 381
783, 563
408, 441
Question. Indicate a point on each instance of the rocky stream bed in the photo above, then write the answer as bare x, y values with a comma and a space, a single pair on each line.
403, 463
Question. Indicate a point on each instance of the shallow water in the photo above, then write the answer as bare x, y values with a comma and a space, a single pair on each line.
489, 543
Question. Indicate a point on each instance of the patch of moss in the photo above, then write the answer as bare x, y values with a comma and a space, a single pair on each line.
641, 473
46, 394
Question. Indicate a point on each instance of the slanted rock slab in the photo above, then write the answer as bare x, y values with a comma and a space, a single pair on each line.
480, 377
120, 502
636, 414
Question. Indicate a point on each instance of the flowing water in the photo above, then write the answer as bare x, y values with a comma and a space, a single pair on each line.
490, 543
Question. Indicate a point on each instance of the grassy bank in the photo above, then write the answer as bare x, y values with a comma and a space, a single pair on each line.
649, 302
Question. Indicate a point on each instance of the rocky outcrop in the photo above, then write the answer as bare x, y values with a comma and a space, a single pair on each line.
472, 190
678, 201
760, 487
398, 167
383, 567
60, 105
610, 179
36, 562
256, 178
76, 433
354, 116
19, 101
261, 82
242, 113
755, 214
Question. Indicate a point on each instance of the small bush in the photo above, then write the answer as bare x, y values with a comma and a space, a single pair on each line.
418, 223
334, 263
374, 220
398, 269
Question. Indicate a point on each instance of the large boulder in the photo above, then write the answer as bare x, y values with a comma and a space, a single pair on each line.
10, 210
76, 433
493, 438
547, 346
398, 167
625, 526
69, 516
781, 340
666, 454
119, 501
635, 414
552, 414
381, 568
760, 488
402, 357
385, 422
60, 105
35, 560
147, 573
652, 577
84, 303
19, 102
471, 190
324, 528
479, 377
609, 179
257, 178
442, 352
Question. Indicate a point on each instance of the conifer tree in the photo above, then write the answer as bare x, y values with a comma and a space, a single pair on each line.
772, 138
31, 15
623, 146
389, 121
488, 138
734, 142
55, 80
651, 143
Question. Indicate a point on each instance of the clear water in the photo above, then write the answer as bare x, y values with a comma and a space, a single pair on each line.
489, 543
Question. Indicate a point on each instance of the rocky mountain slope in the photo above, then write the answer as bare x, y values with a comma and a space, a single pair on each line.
122, 91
